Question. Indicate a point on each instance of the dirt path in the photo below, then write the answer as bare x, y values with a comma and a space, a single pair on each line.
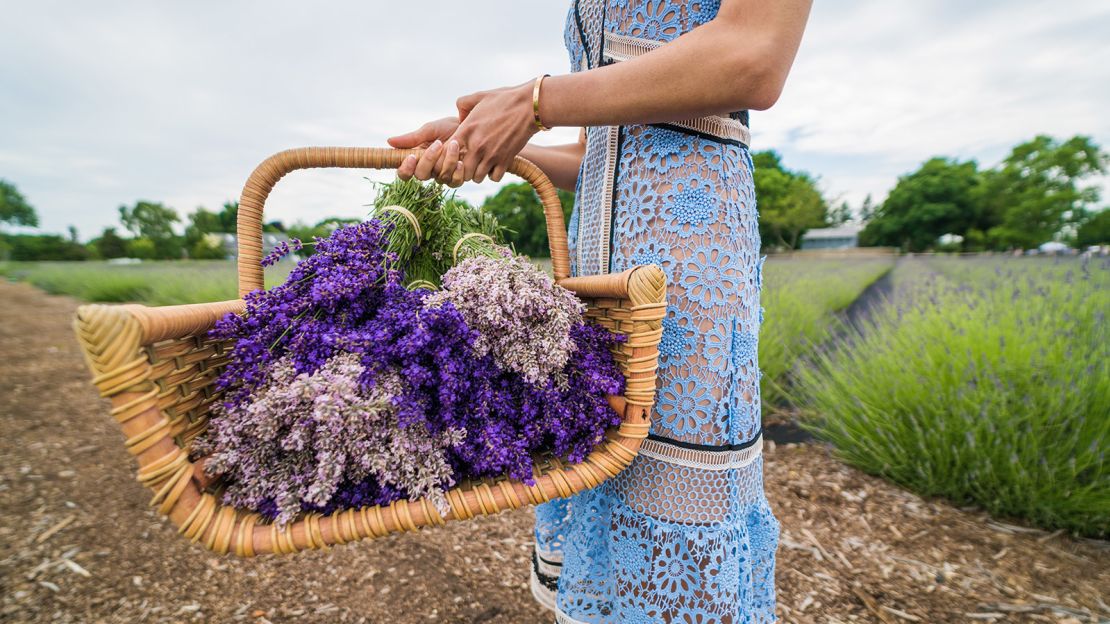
875, 295
781, 423
79, 544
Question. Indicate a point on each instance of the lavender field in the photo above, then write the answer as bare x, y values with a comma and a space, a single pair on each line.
983, 380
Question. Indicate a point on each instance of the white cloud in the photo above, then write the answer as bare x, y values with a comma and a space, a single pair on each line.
878, 87
106, 103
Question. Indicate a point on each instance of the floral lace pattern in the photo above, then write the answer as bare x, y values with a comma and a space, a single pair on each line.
664, 542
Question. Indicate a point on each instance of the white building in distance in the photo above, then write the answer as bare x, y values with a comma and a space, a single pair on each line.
840, 237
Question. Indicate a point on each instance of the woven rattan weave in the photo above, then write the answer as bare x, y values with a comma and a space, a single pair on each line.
158, 368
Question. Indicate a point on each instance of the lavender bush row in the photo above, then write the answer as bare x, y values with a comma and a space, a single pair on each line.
986, 381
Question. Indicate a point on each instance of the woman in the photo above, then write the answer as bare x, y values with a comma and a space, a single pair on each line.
662, 175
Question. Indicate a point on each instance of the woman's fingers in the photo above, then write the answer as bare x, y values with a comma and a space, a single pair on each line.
470, 164
421, 168
458, 177
466, 103
425, 134
498, 172
408, 167
483, 170
428, 160
416, 138
445, 167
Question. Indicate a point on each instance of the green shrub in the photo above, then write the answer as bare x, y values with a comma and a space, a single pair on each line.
32, 247
983, 381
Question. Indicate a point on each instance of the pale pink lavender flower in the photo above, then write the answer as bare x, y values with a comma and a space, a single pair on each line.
521, 317
299, 436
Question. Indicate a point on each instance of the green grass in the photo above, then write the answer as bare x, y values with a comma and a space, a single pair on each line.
985, 381
801, 298
152, 283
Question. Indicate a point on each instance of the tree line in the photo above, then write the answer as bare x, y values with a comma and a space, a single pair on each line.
147, 230
1041, 191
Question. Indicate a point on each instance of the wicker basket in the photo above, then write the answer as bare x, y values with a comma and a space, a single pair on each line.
158, 367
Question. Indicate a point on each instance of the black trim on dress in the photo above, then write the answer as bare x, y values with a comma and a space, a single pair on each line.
703, 135
550, 582
601, 35
707, 447
582, 35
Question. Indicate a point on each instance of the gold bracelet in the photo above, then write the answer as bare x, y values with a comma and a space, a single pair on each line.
536, 103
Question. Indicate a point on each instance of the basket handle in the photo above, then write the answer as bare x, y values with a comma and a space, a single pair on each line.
267, 174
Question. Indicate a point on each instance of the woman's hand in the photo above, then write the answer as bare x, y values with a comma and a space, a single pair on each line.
492, 128
495, 126
436, 161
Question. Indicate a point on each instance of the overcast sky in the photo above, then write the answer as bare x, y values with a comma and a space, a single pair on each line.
103, 103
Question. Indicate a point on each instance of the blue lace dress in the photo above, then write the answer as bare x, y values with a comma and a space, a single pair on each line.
685, 534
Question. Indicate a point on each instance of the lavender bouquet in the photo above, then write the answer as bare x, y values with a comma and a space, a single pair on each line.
355, 384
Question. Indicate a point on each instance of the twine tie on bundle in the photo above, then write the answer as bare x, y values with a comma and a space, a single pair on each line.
459, 243
407, 214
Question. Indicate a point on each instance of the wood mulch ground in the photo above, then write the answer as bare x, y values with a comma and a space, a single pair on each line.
79, 544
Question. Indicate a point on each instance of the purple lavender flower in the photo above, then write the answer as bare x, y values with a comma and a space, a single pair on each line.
325, 296
346, 389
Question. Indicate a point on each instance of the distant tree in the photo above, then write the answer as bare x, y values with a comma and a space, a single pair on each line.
228, 216
204, 249
39, 247
203, 221
789, 202
306, 233
72, 229
840, 214
1037, 191
109, 244
14, 209
936, 199
149, 219
518, 209
153, 222
867, 209
1095, 230
142, 247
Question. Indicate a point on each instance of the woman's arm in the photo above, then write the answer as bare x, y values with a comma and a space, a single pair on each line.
559, 162
739, 60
